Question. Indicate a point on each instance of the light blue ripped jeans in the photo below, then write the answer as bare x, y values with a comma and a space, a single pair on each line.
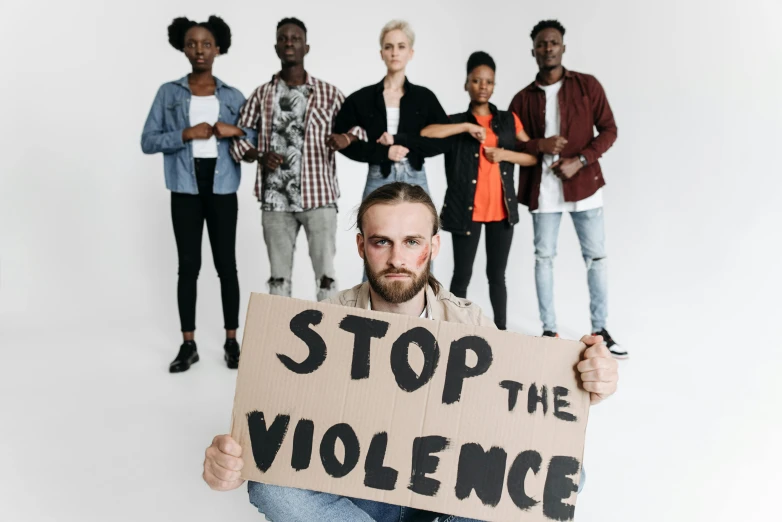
591, 235
400, 171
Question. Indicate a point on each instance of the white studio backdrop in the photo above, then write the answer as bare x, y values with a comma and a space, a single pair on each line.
692, 215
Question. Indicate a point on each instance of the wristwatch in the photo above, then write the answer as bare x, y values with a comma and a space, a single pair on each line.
582, 159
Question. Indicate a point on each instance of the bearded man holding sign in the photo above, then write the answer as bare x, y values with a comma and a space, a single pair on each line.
398, 237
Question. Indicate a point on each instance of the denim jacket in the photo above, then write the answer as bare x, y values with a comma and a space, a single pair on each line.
169, 116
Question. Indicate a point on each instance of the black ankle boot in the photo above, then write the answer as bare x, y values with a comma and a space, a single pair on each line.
188, 354
231, 353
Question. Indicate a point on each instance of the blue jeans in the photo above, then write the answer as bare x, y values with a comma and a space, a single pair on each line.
401, 171
281, 504
591, 235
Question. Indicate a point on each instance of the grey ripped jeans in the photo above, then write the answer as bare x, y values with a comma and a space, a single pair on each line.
280, 230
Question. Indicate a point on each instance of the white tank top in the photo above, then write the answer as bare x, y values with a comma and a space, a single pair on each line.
204, 109
392, 115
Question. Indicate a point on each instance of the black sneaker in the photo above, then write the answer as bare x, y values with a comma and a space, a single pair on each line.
231, 353
188, 355
617, 351
549, 333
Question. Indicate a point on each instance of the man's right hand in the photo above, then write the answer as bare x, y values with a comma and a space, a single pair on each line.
271, 161
397, 153
223, 464
202, 131
552, 145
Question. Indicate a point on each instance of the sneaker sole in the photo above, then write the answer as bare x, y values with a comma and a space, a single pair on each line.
620, 355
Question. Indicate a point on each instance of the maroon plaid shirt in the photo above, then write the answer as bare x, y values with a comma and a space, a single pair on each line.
319, 186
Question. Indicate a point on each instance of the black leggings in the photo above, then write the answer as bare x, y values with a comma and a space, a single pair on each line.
499, 235
188, 212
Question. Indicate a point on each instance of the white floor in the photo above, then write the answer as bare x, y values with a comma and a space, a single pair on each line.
95, 429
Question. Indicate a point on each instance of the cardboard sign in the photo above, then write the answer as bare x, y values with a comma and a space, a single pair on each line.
451, 418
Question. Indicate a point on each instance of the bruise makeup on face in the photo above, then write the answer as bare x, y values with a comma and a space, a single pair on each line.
423, 257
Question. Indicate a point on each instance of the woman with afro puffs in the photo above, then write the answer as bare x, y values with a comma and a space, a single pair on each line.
191, 122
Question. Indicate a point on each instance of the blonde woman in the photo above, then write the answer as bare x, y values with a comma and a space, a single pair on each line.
392, 114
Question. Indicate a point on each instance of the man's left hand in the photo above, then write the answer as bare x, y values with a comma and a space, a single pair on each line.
566, 168
598, 369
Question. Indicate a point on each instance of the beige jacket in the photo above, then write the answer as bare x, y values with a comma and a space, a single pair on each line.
443, 307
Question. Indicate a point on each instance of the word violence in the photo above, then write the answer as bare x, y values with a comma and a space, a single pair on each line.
479, 470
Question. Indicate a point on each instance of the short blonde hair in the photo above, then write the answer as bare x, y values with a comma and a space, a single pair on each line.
398, 25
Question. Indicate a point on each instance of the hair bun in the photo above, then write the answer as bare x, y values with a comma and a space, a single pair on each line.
479, 58
177, 30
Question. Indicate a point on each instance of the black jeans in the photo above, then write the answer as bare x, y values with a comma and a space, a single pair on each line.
499, 235
188, 212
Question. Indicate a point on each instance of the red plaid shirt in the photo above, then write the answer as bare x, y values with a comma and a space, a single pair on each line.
319, 186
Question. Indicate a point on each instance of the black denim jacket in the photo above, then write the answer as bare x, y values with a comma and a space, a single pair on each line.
366, 108
461, 169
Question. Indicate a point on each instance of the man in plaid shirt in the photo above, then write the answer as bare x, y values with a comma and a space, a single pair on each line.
288, 128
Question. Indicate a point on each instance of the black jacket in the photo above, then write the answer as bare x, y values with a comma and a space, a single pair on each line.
366, 108
461, 169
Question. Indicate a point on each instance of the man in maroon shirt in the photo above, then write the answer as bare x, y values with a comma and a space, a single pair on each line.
560, 111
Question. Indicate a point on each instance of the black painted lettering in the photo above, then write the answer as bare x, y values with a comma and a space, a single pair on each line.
328, 455
425, 463
525, 461
266, 442
405, 376
376, 475
363, 329
559, 403
513, 388
300, 326
302, 445
458, 370
533, 399
559, 487
483, 471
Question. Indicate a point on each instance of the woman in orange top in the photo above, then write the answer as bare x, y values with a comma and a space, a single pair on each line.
479, 168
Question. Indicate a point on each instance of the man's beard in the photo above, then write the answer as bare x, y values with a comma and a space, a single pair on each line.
396, 292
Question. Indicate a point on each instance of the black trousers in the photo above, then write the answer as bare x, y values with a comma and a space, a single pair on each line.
188, 213
499, 235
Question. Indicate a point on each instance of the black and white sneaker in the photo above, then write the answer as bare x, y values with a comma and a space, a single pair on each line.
617, 351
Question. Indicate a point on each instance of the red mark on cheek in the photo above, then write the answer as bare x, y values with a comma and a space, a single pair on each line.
423, 257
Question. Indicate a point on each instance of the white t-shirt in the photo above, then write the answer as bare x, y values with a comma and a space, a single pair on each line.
204, 109
392, 116
551, 198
